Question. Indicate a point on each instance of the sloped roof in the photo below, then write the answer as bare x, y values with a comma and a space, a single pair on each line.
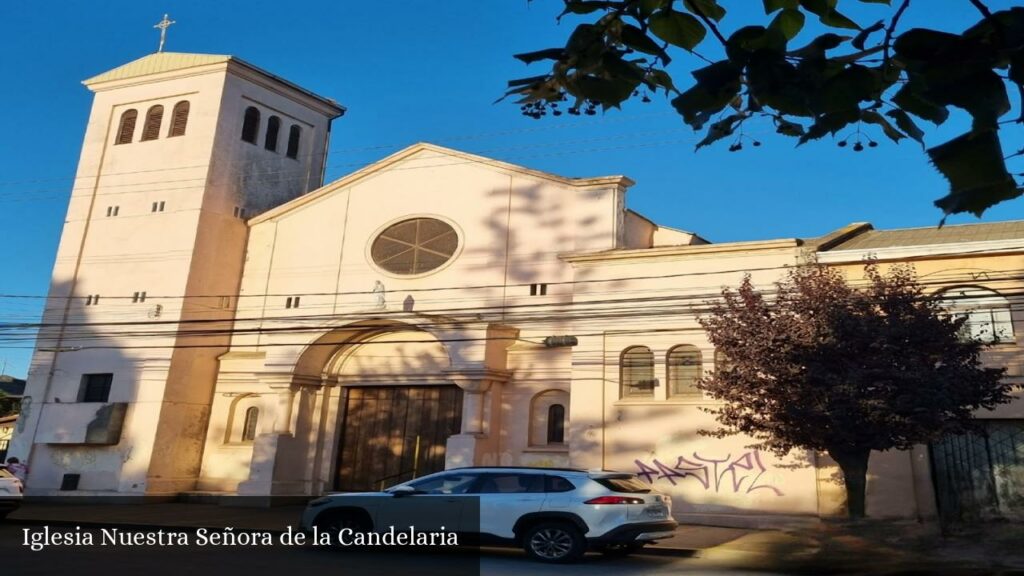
160, 62
156, 63
931, 235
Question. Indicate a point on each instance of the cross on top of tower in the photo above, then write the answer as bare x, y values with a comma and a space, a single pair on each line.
163, 25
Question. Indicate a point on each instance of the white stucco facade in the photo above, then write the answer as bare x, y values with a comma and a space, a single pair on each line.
270, 340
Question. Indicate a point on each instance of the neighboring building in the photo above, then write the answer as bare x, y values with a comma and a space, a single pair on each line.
410, 316
11, 391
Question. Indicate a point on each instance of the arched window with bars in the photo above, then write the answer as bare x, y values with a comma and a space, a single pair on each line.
556, 424
986, 313
250, 125
294, 134
636, 373
126, 127
252, 416
683, 366
151, 129
273, 128
179, 119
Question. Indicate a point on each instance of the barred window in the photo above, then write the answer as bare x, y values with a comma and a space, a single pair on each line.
683, 365
987, 313
252, 416
151, 130
126, 128
250, 125
293, 141
556, 424
636, 373
179, 119
273, 127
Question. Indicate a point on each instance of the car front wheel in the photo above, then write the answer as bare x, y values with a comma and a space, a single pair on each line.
334, 522
554, 542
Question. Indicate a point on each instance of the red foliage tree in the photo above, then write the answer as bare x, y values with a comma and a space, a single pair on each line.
824, 365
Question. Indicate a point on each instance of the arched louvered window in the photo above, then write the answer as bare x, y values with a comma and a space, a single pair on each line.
636, 372
179, 119
556, 424
273, 127
252, 416
986, 313
126, 129
683, 364
293, 141
251, 125
151, 130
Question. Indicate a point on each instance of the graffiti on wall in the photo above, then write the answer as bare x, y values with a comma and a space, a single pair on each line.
740, 475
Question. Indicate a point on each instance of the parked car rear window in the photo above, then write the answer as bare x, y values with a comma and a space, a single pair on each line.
626, 485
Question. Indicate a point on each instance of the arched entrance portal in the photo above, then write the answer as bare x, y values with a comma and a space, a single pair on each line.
396, 409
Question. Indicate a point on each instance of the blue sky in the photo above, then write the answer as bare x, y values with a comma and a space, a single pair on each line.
419, 70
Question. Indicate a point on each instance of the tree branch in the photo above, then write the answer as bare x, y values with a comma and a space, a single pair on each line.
981, 8
709, 23
887, 43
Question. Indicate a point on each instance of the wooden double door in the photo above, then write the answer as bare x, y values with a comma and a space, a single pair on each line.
391, 434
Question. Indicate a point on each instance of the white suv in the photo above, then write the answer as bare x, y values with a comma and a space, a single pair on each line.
556, 515
10, 492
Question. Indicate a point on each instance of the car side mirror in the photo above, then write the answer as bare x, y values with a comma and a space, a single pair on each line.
399, 491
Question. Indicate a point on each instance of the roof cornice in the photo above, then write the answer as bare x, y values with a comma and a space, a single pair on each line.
677, 252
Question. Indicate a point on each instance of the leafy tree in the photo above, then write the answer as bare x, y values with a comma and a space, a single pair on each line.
874, 76
823, 365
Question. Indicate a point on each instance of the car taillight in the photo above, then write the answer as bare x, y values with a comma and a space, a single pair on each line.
614, 500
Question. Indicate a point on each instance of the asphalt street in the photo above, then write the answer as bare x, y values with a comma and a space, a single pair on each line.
113, 560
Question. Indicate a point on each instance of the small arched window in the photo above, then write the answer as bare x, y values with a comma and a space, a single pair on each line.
683, 364
273, 127
986, 313
556, 424
250, 125
636, 373
293, 141
252, 416
151, 130
126, 129
179, 119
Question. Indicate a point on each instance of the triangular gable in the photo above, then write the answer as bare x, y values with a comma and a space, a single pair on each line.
415, 149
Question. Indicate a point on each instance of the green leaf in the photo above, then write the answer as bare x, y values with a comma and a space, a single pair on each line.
718, 130
677, 28
647, 7
636, 39
974, 166
906, 124
586, 7
826, 12
716, 86
847, 89
787, 128
788, 23
609, 93
910, 99
773, 5
872, 117
548, 54
830, 123
661, 78
709, 8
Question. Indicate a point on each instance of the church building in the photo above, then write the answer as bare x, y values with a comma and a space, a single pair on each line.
221, 321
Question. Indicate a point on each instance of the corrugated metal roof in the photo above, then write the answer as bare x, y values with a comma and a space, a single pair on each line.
156, 63
934, 235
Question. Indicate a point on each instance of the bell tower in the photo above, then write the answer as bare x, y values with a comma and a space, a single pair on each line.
179, 151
